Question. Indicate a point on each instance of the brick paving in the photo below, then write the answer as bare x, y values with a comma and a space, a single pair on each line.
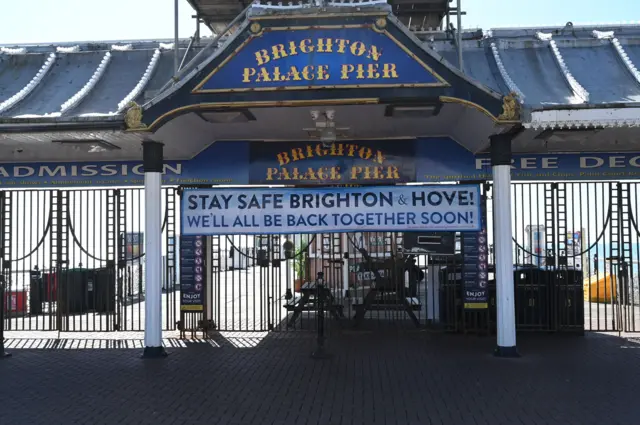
380, 377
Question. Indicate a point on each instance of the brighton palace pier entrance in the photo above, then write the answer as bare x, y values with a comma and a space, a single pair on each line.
335, 164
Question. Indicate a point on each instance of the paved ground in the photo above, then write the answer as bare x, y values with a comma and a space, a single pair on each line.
372, 378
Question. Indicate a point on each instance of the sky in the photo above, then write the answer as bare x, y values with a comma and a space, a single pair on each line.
49, 21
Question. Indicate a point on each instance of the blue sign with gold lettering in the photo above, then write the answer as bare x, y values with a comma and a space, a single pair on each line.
344, 57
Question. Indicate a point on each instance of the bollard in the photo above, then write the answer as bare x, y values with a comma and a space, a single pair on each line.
3, 354
320, 352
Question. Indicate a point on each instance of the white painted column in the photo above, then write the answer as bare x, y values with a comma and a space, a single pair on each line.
153, 162
345, 263
433, 293
505, 293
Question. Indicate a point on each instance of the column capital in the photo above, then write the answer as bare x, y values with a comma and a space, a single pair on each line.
501, 148
152, 156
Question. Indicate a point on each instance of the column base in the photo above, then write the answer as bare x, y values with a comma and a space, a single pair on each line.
154, 353
506, 352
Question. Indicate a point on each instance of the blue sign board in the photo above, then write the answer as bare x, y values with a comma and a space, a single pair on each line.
330, 210
336, 57
427, 160
192, 272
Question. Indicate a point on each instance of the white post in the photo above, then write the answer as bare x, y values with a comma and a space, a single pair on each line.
505, 293
152, 153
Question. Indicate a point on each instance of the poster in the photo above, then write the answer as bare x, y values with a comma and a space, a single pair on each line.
192, 272
330, 210
475, 269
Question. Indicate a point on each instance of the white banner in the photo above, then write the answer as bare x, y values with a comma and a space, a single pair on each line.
328, 210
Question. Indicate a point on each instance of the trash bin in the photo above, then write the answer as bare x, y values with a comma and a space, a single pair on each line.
532, 298
104, 290
73, 296
568, 294
36, 292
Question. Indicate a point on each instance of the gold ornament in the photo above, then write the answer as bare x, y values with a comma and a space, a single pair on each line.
510, 108
133, 116
255, 28
381, 23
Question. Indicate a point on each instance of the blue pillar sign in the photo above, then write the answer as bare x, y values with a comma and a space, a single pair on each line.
192, 272
475, 273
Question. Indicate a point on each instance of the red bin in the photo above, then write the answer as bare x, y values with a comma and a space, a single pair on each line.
15, 302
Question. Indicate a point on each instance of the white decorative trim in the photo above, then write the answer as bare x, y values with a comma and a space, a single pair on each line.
72, 49
584, 118
355, 3
602, 35
542, 36
146, 77
579, 91
121, 48
294, 4
16, 51
74, 100
626, 59
513, 87
9, 103
166, 46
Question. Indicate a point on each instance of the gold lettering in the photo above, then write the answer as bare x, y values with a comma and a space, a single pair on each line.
283, 158
284, 174
365, 153
355, 171
277, 51
358, 48
277, 76
392, 172
374, 53
310, 174
337, 149
321, 173
379, 157
378, 172
335, 173
293, 50
345, 70
262, 57
360, 71
307, 73
389, 70
271, 172
325, 45
263, 75
320, 151
247, 73
293, 74
309, 151
297, 154
306, 46
372, 71
342, 44
351, 149
323, 72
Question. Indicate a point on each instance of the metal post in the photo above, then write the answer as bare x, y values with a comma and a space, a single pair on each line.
505, 292
176, 51
3, 354
459, 36
319, 352
153, 163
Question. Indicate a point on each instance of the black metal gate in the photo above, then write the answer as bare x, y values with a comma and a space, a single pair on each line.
74, 259
587, 234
